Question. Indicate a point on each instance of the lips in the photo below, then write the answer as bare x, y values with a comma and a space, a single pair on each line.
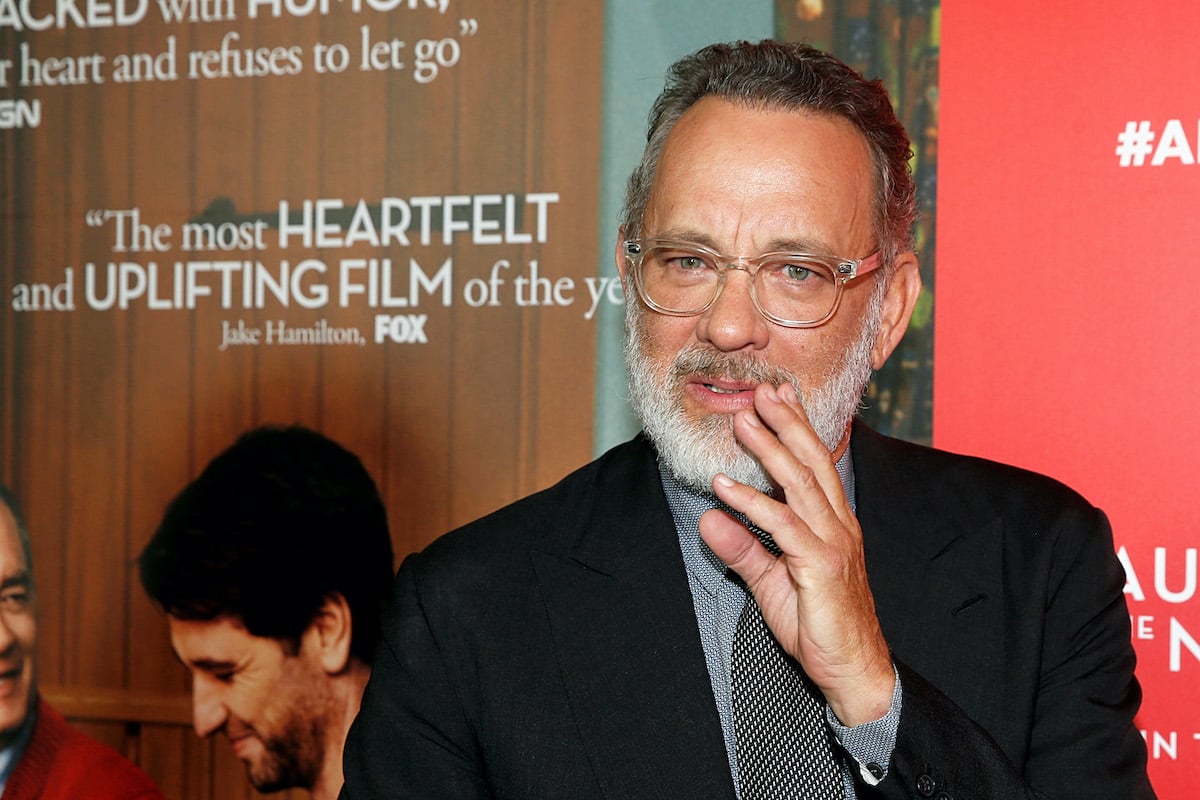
719, 389
10, 680
720, 395
242, 738
243, 745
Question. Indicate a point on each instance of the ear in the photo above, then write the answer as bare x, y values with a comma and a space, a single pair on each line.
619, 256
328, 635
899, 301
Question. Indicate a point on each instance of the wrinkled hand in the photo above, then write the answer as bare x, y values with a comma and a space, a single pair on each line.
815, 596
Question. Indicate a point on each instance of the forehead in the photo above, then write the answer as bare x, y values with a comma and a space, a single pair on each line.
749, 176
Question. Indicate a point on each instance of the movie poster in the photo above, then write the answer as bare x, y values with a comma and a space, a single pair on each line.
375, 218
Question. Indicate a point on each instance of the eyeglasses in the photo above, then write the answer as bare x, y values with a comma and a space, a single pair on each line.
796, 290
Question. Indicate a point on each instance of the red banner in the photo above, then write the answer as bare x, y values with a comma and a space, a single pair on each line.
1066, 294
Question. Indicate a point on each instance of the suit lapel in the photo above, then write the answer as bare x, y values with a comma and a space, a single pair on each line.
936, 573
625, 632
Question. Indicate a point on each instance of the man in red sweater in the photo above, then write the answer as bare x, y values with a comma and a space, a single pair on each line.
40, 755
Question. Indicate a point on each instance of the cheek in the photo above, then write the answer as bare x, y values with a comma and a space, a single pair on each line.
25, 631
813, 355
662, 336
251, 699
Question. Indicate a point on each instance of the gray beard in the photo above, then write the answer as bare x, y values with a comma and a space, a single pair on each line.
695, 450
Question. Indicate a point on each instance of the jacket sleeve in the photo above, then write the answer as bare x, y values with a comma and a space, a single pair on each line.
1082, 741
411, 738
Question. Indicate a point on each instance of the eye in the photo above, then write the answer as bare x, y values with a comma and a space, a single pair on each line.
684, 261
14, 601
224, 675
797, 272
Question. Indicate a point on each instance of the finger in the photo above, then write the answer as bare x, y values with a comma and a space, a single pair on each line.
735, 545
790, 532
764, 512
741, 551
815, 501
799, 458
783, 411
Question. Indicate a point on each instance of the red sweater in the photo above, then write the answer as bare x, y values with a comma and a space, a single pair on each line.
61, 763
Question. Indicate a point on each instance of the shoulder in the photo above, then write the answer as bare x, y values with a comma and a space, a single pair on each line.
892, 468
549, 518
61, 762
933, 501
491, 556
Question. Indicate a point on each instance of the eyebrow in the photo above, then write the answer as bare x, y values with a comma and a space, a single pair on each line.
20, 579
800, 246
690, 236
795, 245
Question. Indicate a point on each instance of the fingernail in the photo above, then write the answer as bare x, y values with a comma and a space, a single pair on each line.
724, 480
752, 419
787, 393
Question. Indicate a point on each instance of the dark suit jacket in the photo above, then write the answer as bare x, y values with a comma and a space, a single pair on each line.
551, 648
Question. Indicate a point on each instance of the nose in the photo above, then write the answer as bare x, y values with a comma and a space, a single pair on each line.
733, 322
208, 712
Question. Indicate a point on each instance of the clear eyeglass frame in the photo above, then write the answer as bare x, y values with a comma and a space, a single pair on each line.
841, 270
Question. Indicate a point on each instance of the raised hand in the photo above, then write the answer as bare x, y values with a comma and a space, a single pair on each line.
814, 596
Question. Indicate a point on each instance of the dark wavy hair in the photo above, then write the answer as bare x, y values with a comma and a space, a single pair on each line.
778, 75
273, 526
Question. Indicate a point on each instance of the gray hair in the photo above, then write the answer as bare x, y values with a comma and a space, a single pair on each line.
779, 75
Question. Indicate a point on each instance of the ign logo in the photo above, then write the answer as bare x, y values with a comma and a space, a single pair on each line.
402, 329
20, 114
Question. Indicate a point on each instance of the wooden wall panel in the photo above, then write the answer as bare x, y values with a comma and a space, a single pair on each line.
558, 377
107, 413
224, 131
160, 415
95, 405
40, 428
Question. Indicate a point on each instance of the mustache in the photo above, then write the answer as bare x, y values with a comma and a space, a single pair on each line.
708, 363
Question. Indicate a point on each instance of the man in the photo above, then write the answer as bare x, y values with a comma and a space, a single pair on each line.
935, 626
40, 755
273, 567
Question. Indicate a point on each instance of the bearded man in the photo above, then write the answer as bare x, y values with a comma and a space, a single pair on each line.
273, 567
760, 597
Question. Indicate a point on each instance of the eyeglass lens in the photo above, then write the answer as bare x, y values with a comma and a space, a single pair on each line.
790, 287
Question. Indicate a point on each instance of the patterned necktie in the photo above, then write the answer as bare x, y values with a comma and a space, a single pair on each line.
784, 747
